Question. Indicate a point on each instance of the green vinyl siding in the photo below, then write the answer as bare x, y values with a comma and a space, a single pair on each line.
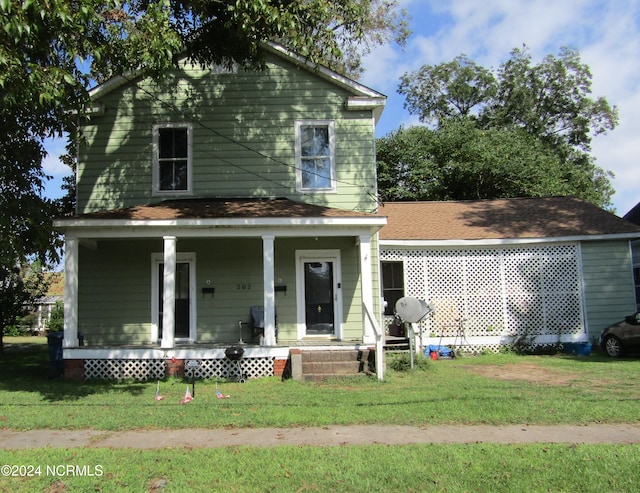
115, 286
243, 137
608, 283
114, 292
350, 290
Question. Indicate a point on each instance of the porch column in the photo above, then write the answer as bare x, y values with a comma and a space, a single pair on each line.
169, 293
366, 286
70, 292
269, 290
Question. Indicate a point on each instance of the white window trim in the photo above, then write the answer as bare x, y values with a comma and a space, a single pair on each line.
156, 160
332, 155
156, 259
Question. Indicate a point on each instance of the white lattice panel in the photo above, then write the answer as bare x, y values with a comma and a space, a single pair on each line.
124, 369
414, 273
449, 271
522, 271
524, 311
532, 290
154, 369
563, 313
224, 368
555, 271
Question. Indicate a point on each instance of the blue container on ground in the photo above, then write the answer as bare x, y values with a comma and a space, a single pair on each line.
577, 348
442, 351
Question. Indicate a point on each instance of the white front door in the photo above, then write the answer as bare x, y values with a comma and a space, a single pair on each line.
319, 293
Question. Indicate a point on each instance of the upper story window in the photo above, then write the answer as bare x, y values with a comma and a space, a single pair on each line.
315, 156
172, 156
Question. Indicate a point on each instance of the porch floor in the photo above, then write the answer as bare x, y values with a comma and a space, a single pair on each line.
224, 345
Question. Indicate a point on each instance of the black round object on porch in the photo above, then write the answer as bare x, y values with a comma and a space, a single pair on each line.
234, 353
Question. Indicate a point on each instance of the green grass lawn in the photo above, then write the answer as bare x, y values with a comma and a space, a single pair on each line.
562, 390
373, 468
494, 389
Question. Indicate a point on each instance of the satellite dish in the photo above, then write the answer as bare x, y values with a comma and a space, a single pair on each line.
412, 310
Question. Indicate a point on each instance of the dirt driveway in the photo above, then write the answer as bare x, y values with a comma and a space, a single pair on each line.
529, 372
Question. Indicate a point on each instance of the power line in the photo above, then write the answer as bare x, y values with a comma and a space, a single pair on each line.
242, 145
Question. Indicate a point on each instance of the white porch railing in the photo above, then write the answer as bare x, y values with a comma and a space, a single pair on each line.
379, 335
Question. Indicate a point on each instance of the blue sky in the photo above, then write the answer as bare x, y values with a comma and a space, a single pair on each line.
606, 33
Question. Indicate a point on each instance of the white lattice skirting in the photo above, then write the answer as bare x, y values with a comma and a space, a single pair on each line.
154, 369
532, 290
124, 369
223, 368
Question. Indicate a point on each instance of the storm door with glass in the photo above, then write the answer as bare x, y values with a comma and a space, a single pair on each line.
319, 296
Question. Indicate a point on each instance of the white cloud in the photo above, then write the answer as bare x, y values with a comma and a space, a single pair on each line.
382, 69
54, 167
612, 56
51, 163
619, 151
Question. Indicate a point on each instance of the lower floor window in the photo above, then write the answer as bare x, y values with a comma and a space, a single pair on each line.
392, 285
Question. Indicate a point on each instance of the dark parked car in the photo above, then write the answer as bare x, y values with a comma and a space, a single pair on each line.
621, 337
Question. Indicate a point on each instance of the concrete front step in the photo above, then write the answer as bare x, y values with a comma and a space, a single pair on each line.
332, 367
317, 365
334, 355
319, 377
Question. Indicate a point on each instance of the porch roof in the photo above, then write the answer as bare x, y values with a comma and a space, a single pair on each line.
502, 219
215, 208
223, 212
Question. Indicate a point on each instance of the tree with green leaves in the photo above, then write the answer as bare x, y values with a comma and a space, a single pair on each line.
459, 161
25, 219
457, 89
56, 319
52, 51
538, 118
20, 287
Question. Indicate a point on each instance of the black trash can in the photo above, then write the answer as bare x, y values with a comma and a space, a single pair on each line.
56, 363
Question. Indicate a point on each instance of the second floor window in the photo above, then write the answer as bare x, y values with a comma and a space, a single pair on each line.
172, 159
315, 156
